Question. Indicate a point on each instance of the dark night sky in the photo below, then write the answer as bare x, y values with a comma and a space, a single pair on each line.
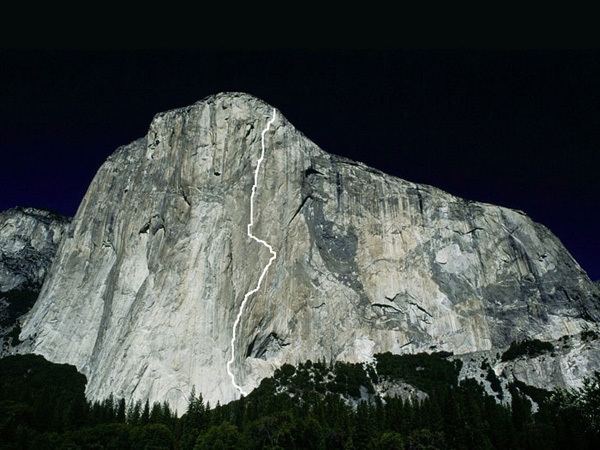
515, 128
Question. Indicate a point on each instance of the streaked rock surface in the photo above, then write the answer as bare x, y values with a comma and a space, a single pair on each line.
29, 238
145, 289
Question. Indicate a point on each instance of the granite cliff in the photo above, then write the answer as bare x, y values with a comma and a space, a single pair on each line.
29, 238
145, 289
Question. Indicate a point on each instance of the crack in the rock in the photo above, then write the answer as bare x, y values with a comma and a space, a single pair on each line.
420, 308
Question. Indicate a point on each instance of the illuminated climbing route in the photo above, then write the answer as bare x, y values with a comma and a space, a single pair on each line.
260, 241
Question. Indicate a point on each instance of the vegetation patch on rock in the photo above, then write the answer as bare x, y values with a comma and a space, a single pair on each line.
527, 347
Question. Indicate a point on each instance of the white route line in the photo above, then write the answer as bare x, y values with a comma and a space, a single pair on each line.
260, 241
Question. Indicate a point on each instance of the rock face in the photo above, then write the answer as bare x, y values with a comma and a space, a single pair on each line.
569, 359
29, 238
145, 289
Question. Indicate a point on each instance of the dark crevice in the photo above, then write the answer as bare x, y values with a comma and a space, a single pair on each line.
468, 232
185, 198
270, 343
311, 171
250, 347
420, 197
145, 228
421, 309
306, 199
339, 190
248, 130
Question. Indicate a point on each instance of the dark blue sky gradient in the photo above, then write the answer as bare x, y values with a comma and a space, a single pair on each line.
516, 128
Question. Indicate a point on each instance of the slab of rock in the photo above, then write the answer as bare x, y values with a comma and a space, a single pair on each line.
145, 290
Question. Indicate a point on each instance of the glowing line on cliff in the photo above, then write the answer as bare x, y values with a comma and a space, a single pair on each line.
260, 241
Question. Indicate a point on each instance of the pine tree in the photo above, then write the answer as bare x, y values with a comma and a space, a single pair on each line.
134, 413
121, 411
145, 417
